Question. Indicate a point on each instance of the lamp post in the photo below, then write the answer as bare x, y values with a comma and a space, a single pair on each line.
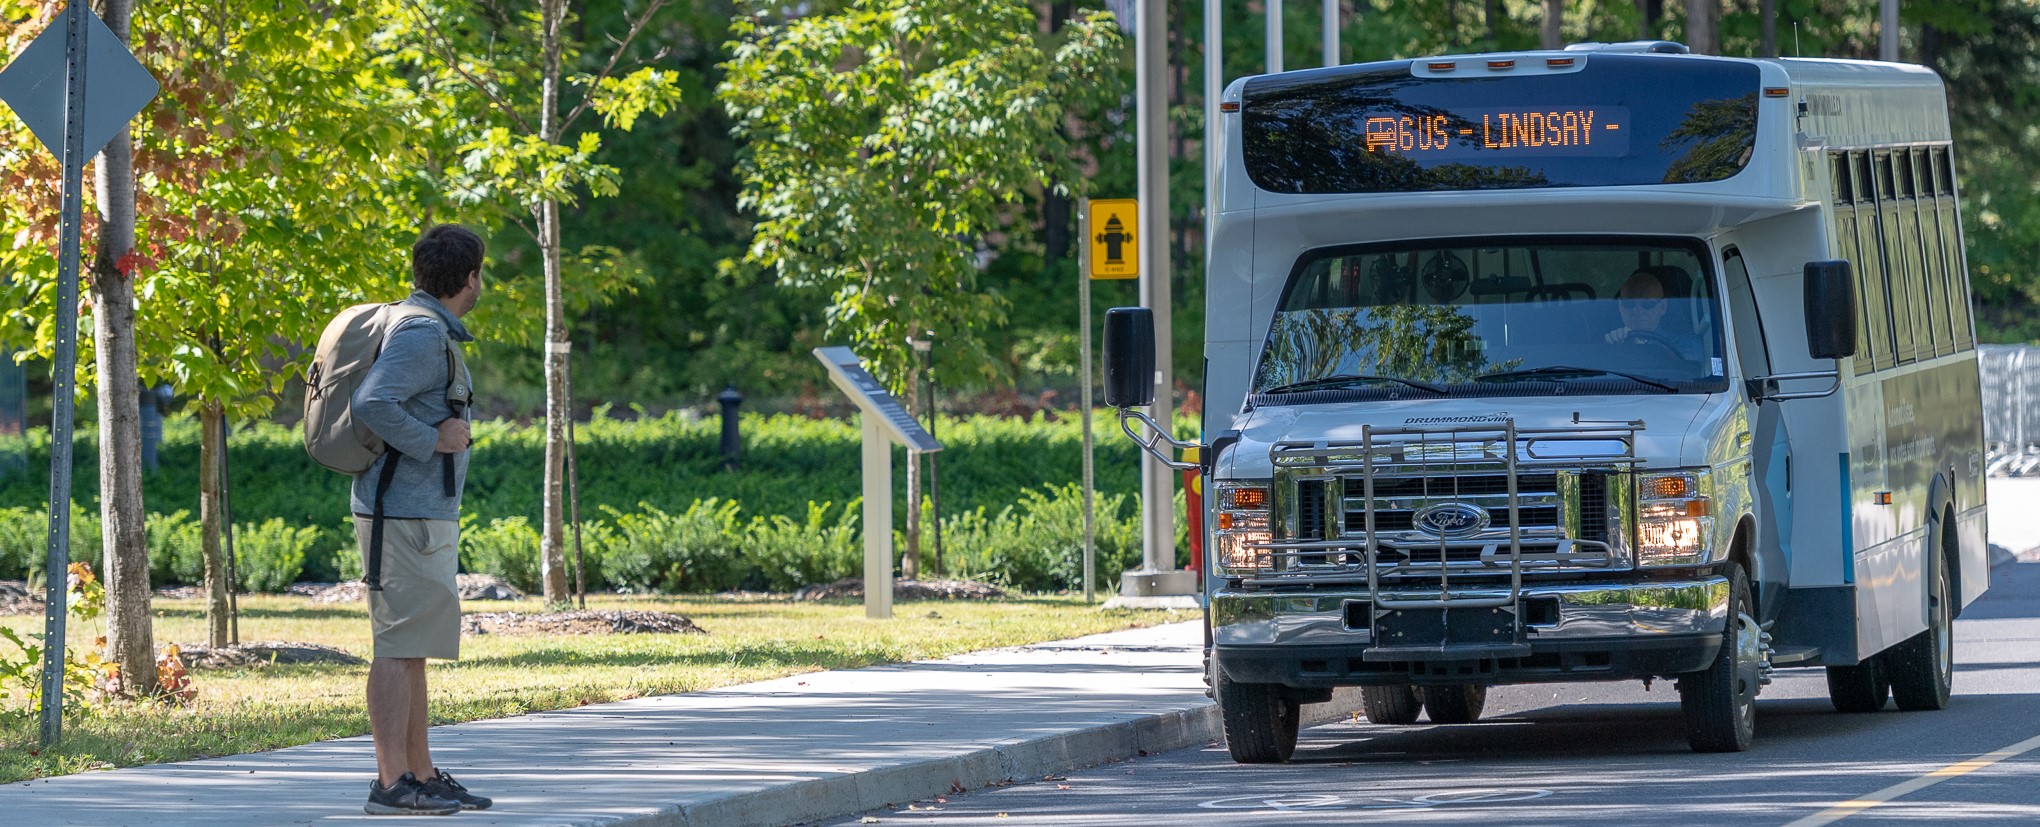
732, 441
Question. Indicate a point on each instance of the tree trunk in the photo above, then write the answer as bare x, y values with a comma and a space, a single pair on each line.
910, 561
1701, 34
1767, 12
130, 640
1553, 30
1650, 13
552, 546
1491, 15
216, 584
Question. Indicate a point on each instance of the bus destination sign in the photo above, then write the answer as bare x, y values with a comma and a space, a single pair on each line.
1591, 131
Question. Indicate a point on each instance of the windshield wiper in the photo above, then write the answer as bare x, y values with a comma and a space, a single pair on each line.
1572, 370
1347, 380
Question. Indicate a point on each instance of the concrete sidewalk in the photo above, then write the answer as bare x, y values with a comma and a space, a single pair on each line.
777, 752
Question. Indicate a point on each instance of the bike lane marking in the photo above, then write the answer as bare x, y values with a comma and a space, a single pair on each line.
1955, 770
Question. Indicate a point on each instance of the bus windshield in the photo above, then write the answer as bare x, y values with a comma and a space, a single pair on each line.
1495, 319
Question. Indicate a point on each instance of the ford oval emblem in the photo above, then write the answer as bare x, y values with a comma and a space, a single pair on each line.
1451, 519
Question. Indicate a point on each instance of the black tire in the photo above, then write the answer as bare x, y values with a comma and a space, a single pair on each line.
1454, 704
1858, 689
1720, 702
1261, 720
1396, 705
1922, 669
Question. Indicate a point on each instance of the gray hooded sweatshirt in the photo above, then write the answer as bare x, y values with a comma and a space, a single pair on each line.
403, 400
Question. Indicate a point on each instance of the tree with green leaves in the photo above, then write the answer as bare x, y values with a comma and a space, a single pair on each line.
270, 197
496, 76
886, 142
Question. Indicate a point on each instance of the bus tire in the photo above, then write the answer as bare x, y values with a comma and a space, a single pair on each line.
1261, 720
1395, 705
1923, 667
1860, 688
1720, 702
1454, 704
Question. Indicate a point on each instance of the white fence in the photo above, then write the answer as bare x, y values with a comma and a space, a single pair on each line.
2011, 408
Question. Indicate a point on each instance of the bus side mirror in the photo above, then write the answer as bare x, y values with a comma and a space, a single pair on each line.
1129, 357
1830, 309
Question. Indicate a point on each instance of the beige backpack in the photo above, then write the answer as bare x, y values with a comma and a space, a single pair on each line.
347, 349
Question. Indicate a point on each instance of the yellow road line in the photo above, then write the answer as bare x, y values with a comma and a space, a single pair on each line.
1956, 770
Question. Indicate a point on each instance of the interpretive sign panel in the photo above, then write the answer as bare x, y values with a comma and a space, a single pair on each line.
847, 371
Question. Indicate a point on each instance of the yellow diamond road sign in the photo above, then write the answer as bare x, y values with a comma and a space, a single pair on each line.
1113, 252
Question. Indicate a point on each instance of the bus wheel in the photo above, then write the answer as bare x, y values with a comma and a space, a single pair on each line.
1860, 688
1390, 704
1923, 668
1454, 704
1720, 701
1261, 720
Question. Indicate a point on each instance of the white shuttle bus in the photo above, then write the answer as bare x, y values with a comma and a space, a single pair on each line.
1611, 363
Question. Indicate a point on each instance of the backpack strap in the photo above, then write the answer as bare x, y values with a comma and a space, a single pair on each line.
372, 574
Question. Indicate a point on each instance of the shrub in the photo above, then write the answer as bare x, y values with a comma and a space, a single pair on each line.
270, 556
176, 548
693, 551
787, 554
25, 539
507, 547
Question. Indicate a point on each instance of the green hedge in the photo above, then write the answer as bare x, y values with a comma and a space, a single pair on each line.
660, 512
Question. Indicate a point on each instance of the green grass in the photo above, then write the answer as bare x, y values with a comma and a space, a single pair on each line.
249, 710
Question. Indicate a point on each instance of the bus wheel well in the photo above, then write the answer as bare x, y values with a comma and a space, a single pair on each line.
1739, 553
1951, 552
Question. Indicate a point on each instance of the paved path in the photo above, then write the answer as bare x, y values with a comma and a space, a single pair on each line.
776, 752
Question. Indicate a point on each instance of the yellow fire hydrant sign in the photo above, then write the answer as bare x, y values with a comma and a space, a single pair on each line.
1113, 253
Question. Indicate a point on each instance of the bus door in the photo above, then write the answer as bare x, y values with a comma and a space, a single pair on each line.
1769, 485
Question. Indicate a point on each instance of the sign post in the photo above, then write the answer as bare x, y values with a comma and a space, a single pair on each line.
1107, 255
884, 423
75, 86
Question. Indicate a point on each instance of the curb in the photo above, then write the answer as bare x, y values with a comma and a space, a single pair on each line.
822, 798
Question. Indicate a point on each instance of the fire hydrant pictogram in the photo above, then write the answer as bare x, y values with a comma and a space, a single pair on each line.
1115, 238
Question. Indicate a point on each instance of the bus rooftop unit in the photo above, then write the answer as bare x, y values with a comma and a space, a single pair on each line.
1611, 363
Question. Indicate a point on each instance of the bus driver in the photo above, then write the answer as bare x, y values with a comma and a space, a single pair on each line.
1643, 302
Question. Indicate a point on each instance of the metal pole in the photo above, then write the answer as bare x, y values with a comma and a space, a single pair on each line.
934, 478
1274, 36
1887, 30
1152, 79
227, 534
1084, 382
1331, 33
65, 376
574, 499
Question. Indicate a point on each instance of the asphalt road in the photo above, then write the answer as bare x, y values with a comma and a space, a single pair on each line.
1605, 754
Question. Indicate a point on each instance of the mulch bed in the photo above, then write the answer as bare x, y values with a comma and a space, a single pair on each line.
262, 653
472, 587
904, 589
578, 623
16, 599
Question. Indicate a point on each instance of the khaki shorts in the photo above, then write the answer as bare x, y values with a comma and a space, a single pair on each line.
417, 612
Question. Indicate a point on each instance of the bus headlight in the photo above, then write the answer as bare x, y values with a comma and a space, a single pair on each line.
1673, 521
1242, 521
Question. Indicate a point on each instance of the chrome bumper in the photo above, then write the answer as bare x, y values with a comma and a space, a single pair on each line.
1619, 613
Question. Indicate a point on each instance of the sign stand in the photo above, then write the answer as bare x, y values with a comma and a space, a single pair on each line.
1106, 255
884, 423
103, 86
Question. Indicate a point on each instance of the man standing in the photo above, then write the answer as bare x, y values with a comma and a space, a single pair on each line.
415, 398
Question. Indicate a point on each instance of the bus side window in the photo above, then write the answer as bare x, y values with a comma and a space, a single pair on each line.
1750, 351
1891, 244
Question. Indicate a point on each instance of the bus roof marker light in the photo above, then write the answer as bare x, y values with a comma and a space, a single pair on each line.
1559, 62
1777, 92
1501, 64
1441, 66
1229, 106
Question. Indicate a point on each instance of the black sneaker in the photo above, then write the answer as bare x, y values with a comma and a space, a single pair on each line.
443, 786
407, 797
